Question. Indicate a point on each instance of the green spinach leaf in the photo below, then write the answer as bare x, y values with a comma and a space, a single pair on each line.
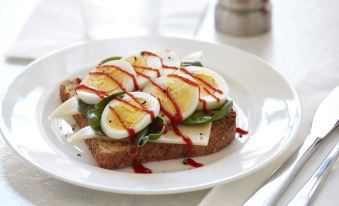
200, 117
94, 115
83, 107
194, 63
219, 114
151, 132
109, 59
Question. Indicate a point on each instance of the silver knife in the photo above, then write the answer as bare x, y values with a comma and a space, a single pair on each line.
325, 120
306, 193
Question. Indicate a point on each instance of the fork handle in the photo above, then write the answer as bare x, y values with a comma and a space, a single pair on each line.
270, 192
306, 193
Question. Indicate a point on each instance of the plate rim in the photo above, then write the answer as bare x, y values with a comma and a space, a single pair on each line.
294, 132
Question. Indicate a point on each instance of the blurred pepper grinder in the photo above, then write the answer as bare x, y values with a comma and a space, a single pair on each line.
243, 17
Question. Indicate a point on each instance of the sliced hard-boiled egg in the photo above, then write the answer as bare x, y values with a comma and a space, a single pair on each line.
175, 92
106, 79
213, 88
170, 61
69, 107
146, 66
131, 113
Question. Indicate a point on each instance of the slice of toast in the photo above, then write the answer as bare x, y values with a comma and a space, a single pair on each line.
114, 155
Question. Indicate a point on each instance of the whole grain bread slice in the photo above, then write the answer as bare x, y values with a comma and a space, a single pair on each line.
114, 155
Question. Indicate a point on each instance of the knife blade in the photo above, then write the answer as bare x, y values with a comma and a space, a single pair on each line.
324, 121
306, 193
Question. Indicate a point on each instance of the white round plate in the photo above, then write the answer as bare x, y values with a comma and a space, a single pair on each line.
266, 105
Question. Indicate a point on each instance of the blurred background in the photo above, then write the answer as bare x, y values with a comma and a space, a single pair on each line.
285, 29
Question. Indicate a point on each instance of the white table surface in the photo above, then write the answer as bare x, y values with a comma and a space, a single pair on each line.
304, 37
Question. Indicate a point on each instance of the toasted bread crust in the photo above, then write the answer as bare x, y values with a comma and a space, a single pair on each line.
114, 155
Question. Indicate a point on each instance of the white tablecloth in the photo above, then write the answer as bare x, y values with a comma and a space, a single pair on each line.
304, 38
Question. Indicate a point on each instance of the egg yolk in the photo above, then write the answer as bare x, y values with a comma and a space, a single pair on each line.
104, 82
137, 60
181, 92
129, 116
101, 82
142, 101
117, 74
209, 79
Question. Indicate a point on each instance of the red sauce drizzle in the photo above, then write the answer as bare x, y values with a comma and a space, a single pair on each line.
134, 149
143, 75
78, 79
201, 80
136, 164
148, 53
100, 93
213, 95
131, 131
143, 108
204, 103
136, 87
192, 162
205, 107
209, 92
186, 139
111, 77
130, 104
241, 131
195, 84
175, 118
174, 123
166, 128
147, 68
139, 168
169, 67
188, 81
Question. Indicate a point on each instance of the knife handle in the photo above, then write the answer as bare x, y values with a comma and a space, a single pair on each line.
305, 195
270, 192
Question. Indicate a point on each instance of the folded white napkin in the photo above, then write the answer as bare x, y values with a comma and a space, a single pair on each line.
54, 24
312, 90
169, 17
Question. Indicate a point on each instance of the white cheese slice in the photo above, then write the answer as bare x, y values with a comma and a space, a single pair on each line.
85, 133
195, 56
82, 134
69, 107
199, 135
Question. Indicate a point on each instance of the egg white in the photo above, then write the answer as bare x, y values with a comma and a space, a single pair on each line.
169, 58
150, 88
144, 122
211, 102
92, 98
153, 62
